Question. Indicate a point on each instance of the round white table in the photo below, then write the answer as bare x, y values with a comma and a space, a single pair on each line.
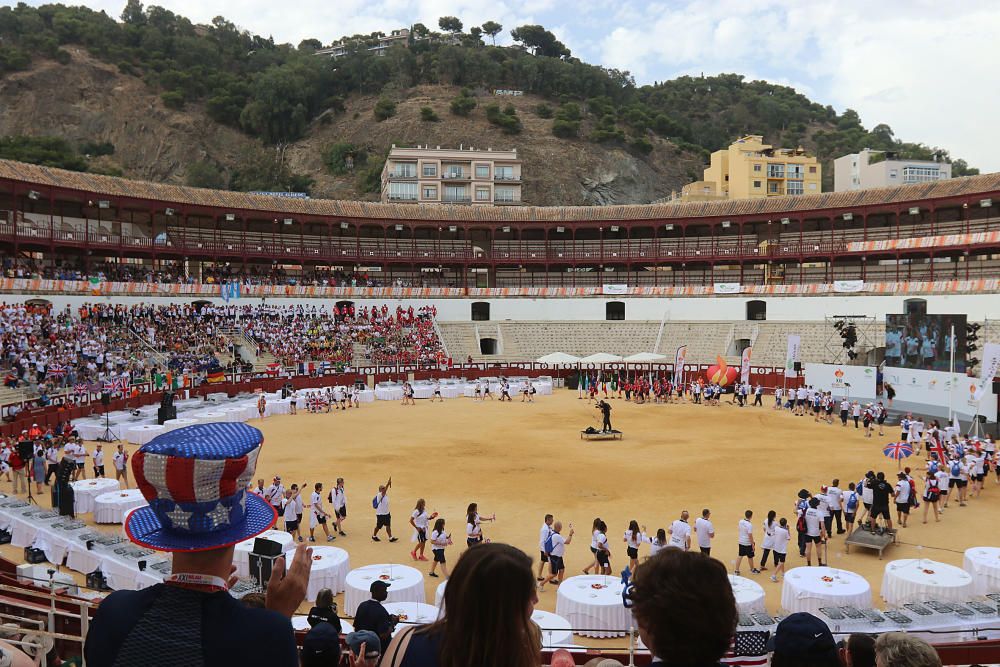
366, 396
90, 429
301, 622
112, 507
86, 490
411, 613
919, 579
173, 424
439, 594
329, 570
406, 584
390, 393
239, 413
278, 406
423, 390
556, 630
809, 588
140, 435
212, 416
241, 556
748, 593
983, 563
593, 605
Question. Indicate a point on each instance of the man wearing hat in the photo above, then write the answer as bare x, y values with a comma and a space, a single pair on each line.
321, 646
803, 639
195, 481
371, 615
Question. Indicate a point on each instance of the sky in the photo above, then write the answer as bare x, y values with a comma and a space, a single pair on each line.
926, 68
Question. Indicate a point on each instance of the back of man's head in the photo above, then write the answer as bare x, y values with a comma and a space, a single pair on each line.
802, 640
321, 646
860, 650
684, 605
899, 649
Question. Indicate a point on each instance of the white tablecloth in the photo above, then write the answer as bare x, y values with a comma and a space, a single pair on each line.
239, 413
366, 396
389, 393
919, 579
556, 630
111, 507
143, 433
809, 588
241, 556
416, 613
211, 416
278, 406
86, 490
439, 594
594, 612
421, 390
406, 585
329, 570
301, 622
748, 593
983, 563
180, 422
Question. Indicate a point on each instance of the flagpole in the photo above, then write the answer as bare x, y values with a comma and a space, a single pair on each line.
951, 385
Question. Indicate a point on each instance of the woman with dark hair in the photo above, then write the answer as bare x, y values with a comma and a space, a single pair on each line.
768, 540
497, 634
439, 541
684, 606
634, 537
473, 530
419, 519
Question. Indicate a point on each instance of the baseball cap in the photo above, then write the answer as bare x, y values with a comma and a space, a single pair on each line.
371, 641
378, 585
802, 636
322, 642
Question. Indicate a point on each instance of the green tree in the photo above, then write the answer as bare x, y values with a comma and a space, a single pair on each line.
173, 99
450, 24
204, 174
46, 151
540, 41
133, 14
427, 114
419, 30
506, 119
463, 104
310, 45
384, 109
492, 28
566, 129
341, 158
259, 168
543, 110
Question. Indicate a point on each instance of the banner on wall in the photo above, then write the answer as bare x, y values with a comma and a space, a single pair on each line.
848, 286
615, 289
679, 360
934, 389
792, 354
745, 365
229, 291
991, 366
728, 288
854, 381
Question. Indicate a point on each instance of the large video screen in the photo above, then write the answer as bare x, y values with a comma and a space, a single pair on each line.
923, 342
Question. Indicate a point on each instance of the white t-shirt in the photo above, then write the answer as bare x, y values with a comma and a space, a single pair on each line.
119, 459
746, 532
339, 498
558, 545
781, 538
601, 540
942, 478
655, 547
543, 535
439, 539
383, 505
420, 519
769, 534
98, 458
290, 514
634, 542
316, 504
903, 488
680, 531
704, 530
80, 454
834, 497
814, 520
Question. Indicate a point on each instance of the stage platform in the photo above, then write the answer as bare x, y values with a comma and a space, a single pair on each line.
868, 540
601, 435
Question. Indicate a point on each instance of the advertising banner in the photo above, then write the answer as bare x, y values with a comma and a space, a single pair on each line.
745, 365
792, 354
854, 381
727, 288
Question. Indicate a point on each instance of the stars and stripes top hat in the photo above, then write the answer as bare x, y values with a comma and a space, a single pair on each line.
195, 479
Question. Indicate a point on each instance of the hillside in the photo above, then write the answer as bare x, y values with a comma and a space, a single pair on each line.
154, 96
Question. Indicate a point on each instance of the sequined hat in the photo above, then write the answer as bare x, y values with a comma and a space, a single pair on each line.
195, 480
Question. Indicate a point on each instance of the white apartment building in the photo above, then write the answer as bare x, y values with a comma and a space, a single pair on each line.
425, 175
882, 169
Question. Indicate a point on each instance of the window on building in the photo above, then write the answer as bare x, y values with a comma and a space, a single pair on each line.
812, 170
503, 194
430, 192
404, 170
756, 184
757, 167
503, 173
775, 171
403, 191
455, 193
430, 170
453, 172
482, 194
794, 188
774, 188
796, 171
921, 174
893, 173
482, 171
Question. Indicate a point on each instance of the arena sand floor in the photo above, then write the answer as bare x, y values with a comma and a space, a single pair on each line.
524, 460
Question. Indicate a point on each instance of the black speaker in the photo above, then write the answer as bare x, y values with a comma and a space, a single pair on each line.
65, 471
105, 399
5, 537
26, 450
165, 413
62, 499
167, 400
996, 386
265, 547
96, 581
33, 555
798, 367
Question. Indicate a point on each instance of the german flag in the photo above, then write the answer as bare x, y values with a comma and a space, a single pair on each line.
216, 376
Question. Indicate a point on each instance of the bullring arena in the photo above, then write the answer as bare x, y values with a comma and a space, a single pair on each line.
233, 295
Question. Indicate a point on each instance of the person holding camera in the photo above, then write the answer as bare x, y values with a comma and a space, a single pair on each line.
372, 616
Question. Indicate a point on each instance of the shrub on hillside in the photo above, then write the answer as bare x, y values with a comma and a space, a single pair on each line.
427, 114
384, 109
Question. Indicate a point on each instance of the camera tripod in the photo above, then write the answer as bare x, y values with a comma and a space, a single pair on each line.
108, 435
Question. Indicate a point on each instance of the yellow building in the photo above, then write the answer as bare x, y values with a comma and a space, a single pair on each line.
750, 168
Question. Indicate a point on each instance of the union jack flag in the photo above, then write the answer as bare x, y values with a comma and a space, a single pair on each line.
748, 649
56, 369
81, 388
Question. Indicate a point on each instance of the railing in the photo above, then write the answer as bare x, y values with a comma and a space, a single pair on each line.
505, 200
456, 199
403, 197
498, 177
